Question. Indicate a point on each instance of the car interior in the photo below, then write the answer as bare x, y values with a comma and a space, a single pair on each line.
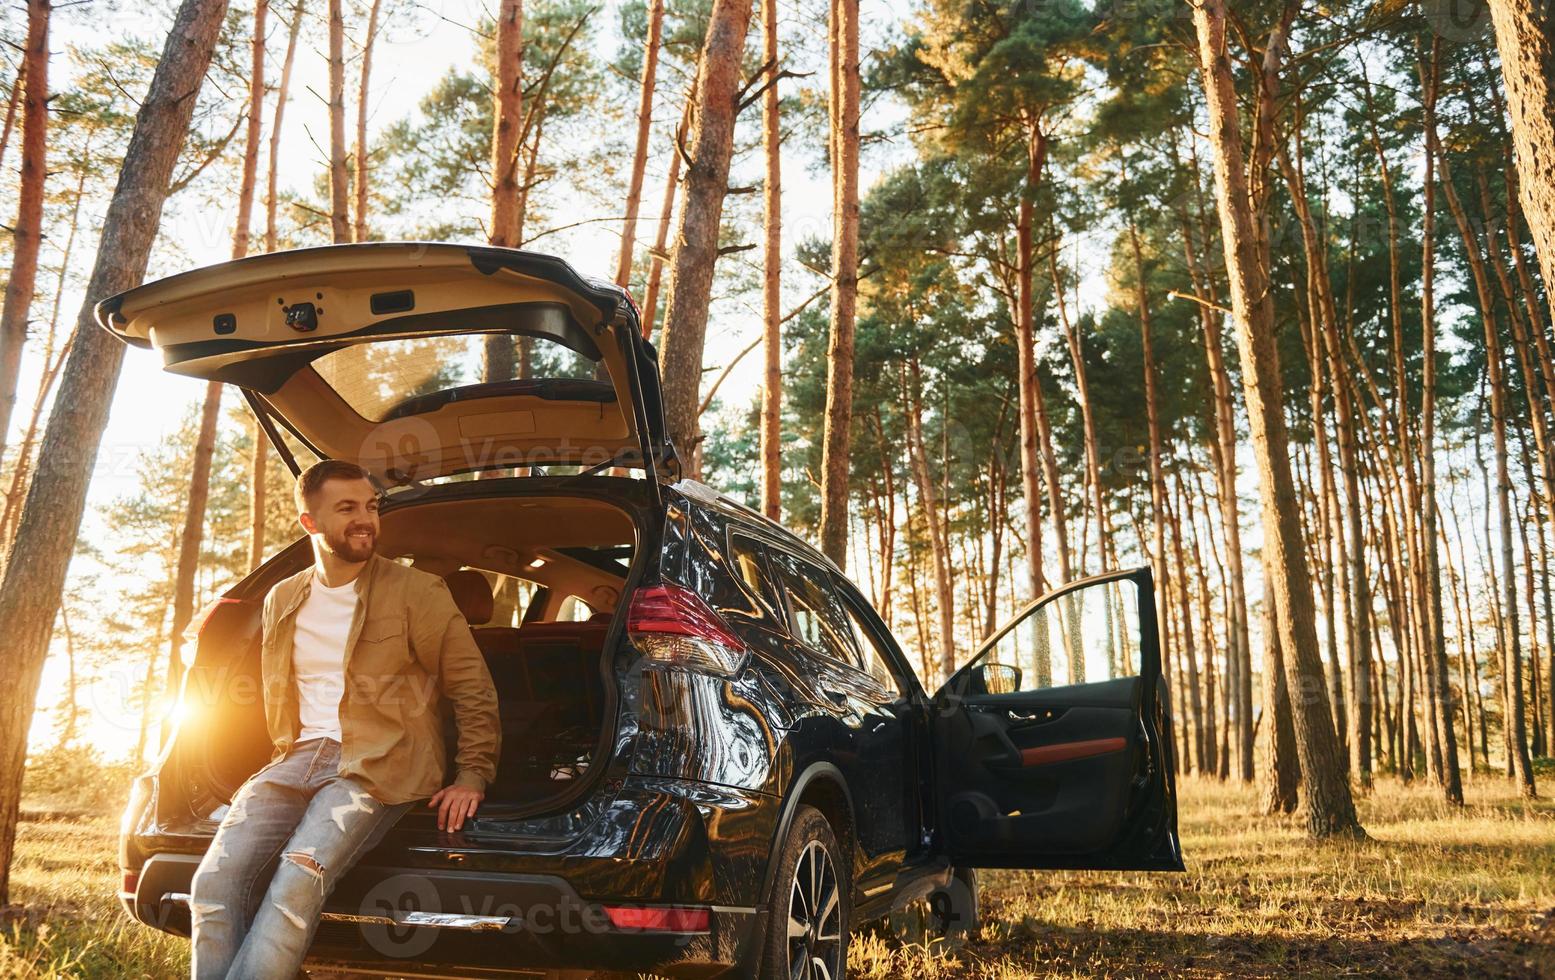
537, 578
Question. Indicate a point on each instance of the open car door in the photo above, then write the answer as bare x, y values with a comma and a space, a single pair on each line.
416, 360
1053, 745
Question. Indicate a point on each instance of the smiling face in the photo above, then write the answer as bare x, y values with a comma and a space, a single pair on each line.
342, 517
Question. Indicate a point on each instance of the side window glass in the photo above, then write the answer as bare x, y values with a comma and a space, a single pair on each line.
1086, 636
874, 661
817, 617
748, 559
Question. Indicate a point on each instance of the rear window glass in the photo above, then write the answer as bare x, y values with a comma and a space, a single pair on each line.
373, 377
816, 616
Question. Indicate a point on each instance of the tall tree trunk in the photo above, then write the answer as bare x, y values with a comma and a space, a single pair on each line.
507, 114
837, 435
1525, 37
1282, 767
666, 213
771, 283
1519, 766
13, 100
1176, 588
1329, 807
72, 690
1358, 602
258, 461
1224, 412
53, 361
938, 537
634, 187
696, 239
1029, 383
1087, 418
1153, 417
360, 230
27, 232
256, 107
1441, 688
51, 518
193, 536
282, 94
339, 194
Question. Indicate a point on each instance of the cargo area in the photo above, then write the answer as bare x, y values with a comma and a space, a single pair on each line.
539, 578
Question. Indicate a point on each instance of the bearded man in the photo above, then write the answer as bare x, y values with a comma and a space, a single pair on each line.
359, 653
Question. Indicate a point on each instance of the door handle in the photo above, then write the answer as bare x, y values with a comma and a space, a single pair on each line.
1039, 714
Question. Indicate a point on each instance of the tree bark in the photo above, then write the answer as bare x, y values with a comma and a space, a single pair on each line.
634, 190
837, 436
339, 195
51, 518
507, 114
696, 238
27, 232
360, 230
1330, 809
772, 268
1525, 37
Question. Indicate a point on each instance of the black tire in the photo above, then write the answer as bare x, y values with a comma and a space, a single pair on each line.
807, 926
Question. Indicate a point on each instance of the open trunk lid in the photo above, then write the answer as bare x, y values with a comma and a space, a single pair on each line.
402, 357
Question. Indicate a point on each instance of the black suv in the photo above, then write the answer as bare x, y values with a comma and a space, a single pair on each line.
714, 755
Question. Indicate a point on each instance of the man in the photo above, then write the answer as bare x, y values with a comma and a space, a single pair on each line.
358, 650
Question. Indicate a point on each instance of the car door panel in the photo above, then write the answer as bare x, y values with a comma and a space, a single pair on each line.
1061, 775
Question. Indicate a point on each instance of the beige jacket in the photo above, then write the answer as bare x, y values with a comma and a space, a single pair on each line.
408, 649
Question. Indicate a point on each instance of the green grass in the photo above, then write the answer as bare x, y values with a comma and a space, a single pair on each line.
1436, 892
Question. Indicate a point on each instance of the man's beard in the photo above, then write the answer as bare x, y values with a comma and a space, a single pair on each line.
350, 549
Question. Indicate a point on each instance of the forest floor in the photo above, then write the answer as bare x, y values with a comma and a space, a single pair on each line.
1435, 892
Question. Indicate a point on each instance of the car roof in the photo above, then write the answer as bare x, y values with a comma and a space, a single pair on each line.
705, 496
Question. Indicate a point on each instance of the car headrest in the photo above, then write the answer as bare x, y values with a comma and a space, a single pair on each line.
472, 594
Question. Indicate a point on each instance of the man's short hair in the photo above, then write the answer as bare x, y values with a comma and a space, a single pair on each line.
315, 476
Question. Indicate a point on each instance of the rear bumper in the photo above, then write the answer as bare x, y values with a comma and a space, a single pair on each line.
542, 899
494, 923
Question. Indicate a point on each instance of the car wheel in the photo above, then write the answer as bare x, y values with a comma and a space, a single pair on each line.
807, 930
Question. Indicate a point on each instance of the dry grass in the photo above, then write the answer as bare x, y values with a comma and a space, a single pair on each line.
1436, 892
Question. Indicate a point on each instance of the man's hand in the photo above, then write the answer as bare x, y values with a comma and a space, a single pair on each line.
454, 805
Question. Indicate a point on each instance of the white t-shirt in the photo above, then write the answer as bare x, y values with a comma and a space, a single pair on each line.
319, 657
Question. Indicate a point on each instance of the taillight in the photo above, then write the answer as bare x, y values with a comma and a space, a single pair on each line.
674, 626
198, 620
128, 882
660, 919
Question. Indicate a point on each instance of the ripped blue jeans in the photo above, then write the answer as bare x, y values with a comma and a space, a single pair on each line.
302, 818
